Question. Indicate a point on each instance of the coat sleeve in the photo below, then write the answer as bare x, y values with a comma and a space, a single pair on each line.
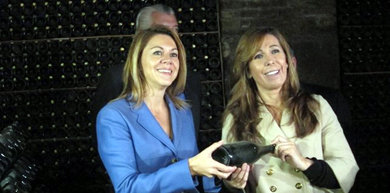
115, 146
336, 150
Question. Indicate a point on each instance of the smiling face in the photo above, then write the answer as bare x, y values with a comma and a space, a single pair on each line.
268, 67
160, 62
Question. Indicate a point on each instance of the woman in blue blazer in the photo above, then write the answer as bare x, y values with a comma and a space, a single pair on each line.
146, 137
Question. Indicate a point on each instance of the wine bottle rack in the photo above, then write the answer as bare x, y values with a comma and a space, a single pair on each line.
18, 170
369, 12
364, 49
22, 20
367, 105
365, 73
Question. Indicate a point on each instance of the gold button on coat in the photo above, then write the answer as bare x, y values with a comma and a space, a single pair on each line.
273, 188
270, 172
298, 185
174, 160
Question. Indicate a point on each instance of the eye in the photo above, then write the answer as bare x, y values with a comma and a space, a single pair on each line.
157, 52
275, 51
258, 56
174, 54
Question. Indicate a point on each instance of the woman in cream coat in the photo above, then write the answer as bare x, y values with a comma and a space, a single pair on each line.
267, 106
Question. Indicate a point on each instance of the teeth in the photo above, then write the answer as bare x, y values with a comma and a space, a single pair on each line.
272, 72
164, 70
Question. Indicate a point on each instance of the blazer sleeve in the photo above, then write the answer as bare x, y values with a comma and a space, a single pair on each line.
115, 147
336, 150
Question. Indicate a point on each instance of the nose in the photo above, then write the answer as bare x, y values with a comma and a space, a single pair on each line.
269, 61
166, 59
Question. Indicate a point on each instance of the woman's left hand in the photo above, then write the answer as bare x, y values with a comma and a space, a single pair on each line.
287, 151
239, 177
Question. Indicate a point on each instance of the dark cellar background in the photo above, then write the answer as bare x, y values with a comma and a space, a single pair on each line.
52, 54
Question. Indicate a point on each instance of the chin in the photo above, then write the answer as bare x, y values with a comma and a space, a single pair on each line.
275, 87
167, 84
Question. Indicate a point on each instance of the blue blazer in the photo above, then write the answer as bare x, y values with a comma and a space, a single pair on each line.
139, 156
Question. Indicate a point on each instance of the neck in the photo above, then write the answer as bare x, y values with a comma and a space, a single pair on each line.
154, 99
272, 98
274, 103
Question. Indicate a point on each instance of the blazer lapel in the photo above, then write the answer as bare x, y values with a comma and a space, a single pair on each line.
176, 123
150, 124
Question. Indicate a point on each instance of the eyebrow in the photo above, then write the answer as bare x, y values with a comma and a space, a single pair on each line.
156, 47
273, 45
162, 48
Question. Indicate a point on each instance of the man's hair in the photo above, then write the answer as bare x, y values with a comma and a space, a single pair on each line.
144, 17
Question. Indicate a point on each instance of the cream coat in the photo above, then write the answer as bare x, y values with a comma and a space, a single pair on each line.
327, 142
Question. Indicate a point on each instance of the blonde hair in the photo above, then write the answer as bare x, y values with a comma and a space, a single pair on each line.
133, 75
244, 102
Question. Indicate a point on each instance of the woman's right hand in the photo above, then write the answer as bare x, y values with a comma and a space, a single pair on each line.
203, 164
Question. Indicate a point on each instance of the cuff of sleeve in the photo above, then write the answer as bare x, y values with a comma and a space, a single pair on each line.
314, 171
227, 189
187, 180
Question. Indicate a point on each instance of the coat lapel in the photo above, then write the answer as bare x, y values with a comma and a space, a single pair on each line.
150, 124
269, 129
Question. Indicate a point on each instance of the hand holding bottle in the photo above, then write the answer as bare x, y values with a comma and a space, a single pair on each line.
239, 177
203, 164
287, 151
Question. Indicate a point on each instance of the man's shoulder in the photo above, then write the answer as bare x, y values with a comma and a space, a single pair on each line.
332, 95
193, 77
193, 84
114, 71
318, 89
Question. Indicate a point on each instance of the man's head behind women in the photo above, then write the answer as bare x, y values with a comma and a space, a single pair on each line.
157, 14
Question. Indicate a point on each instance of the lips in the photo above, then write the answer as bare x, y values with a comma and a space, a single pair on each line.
272, 72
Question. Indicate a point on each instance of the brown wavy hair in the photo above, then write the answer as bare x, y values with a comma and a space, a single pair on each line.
133, 75
244, 102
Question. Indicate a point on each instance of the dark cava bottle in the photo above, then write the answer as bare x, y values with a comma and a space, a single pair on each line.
235, 154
